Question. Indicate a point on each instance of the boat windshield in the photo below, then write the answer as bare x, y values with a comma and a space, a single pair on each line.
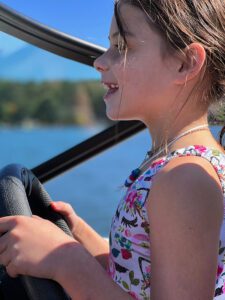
50, 103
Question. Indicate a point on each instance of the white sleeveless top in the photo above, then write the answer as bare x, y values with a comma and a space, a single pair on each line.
129, 260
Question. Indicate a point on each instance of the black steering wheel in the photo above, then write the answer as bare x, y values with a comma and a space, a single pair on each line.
21, 193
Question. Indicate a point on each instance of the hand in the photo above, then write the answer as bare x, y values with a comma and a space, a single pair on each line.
87, 237
32, 246
72, 219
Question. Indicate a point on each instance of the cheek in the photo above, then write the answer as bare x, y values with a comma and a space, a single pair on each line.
140, 81
143, 87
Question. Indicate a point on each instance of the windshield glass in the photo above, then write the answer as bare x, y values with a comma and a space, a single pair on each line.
48, 104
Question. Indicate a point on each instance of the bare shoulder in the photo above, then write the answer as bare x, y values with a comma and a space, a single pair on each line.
191, 164
185, 209
191, 182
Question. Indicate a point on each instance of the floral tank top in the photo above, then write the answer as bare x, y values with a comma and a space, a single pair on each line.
129, 262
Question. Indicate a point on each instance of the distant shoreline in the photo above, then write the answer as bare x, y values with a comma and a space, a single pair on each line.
33, 125
39, 125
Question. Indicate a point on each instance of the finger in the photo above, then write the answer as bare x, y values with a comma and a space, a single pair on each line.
37, 217
68, 213
7, 223
5, 258
3, 242
11, 270
64, 208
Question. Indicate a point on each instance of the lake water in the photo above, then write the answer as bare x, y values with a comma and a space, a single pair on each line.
94, 187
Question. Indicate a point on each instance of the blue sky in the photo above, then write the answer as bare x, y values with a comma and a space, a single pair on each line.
85, 19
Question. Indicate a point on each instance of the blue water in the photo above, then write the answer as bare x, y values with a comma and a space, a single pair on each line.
92, 188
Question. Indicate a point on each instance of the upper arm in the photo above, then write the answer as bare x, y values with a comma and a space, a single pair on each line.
185, 209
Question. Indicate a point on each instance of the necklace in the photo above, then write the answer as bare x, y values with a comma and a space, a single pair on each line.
150, 155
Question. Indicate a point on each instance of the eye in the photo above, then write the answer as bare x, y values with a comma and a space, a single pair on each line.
121, 47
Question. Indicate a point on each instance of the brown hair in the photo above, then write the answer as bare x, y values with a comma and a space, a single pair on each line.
182, 22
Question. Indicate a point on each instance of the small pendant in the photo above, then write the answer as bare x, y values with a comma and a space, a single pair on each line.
136, 173
150, 153
133, 176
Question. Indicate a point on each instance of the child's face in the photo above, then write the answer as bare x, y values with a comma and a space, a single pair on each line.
144, 77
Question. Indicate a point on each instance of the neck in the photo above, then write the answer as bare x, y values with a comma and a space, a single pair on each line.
151, 155
164, 133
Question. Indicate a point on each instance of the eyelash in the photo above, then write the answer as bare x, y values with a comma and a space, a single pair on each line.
124, 47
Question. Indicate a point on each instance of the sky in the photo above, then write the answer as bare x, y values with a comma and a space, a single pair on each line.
84, 19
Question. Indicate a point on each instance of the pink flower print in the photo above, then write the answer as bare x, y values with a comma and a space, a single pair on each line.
219, 270
111, 270
223, 288
148, 269
133, 295
126, 254
216, 169
160, 161
131, 198
127, 233
157, 162
141, 237
200, 148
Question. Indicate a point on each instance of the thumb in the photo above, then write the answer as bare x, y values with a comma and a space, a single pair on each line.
37, 217
62, 207
68, 213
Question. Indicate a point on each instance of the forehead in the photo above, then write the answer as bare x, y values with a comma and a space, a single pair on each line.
133, 21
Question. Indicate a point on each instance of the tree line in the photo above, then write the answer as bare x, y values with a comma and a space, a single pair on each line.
59, 102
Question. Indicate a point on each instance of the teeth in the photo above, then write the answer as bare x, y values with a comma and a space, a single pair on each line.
110, 86
114, 86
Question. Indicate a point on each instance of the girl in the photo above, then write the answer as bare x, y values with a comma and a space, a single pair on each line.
165, 67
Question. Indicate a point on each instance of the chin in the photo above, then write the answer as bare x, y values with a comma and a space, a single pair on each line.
120, 117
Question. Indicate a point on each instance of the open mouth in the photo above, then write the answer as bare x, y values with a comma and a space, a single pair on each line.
111, 89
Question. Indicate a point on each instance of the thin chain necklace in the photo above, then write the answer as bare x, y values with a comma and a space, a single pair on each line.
150, 155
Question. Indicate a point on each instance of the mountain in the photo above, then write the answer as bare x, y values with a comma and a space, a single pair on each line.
31, 63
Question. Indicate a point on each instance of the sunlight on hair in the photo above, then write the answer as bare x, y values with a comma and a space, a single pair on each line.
121, 96
147, 14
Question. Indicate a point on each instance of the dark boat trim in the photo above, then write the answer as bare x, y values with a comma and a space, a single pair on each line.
87, 149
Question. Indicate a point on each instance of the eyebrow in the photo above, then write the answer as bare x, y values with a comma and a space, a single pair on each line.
127, 33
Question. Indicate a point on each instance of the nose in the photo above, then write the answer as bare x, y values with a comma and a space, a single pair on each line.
100, 64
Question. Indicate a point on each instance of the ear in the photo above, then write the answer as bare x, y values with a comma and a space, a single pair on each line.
191, 63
